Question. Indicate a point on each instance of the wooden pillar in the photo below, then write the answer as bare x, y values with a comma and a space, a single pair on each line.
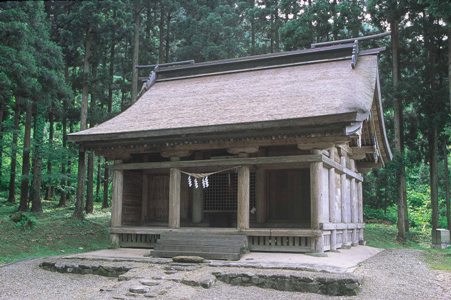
116, 204
198, 205
174, 198
144, 199
344, 209
197, 214
316, 202
332, 202
260, 195
354, 206
243, 198
360, 198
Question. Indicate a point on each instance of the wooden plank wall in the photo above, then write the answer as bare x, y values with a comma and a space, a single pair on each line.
156, 208
131, 198
288, 195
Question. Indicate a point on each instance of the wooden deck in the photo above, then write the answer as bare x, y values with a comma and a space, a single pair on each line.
248, 232
260, 239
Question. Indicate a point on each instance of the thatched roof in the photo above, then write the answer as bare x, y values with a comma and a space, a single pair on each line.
322, 90
264, 95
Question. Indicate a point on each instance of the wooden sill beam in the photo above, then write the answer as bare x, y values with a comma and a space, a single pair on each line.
249, 232
224, 162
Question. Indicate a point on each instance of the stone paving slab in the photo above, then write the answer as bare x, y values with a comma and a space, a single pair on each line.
343, 261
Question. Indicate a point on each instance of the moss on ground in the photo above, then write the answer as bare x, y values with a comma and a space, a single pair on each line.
54, 232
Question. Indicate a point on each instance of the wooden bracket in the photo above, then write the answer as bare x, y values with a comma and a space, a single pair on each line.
359, 153
241, 150
175, 153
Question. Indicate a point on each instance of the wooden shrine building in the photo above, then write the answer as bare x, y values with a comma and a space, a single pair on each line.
268, 147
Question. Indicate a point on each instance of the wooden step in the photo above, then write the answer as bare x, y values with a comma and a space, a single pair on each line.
209, 246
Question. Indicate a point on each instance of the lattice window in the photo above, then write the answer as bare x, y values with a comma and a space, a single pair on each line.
221, 194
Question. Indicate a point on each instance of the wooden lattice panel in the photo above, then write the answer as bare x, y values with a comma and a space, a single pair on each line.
221, 194
138, 240
280, 243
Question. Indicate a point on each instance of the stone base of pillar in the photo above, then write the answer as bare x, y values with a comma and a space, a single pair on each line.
333, 241
114, 239
355, 238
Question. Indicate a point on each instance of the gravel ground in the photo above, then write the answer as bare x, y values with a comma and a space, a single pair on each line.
397, 273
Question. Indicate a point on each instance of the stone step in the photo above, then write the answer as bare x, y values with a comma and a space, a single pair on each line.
206, 255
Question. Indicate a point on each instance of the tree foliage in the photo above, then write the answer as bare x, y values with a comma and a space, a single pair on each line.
44, 48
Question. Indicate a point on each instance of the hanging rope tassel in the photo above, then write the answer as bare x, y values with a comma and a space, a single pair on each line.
196, 184
190, 183
203, 183
206, 181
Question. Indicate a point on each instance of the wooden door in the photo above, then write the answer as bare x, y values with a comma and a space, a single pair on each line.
289, 195
157, 198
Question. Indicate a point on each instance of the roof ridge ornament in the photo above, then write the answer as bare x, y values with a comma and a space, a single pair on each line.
149, 82
355, 54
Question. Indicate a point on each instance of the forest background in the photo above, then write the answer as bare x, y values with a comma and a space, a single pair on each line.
69, 65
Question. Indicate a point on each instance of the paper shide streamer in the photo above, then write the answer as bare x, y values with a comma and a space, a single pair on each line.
193, 178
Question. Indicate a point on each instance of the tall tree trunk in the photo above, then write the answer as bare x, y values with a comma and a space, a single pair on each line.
167, 42
25, 180
449, 63
63, 196
276, 28
12, 174
69, 165
78, 212
433, 159
2, 118
448, 204
161, 31
432, 131
447, 198
398, 128
90, 186
99, 177
111, 79
38, 139
49, 192
110, 106
253, 35
137, 25
79, 201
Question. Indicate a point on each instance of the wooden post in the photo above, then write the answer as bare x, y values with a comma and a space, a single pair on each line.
344, 210
174, 198
198, 198
116, 204
360, 196
316, 200
243, 198
198, 205
260, 194
144, 199
354, 206
332, 202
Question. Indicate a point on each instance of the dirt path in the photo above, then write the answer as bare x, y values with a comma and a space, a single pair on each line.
391, 274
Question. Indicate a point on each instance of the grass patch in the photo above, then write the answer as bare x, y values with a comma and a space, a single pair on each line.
384, 236
54, 232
